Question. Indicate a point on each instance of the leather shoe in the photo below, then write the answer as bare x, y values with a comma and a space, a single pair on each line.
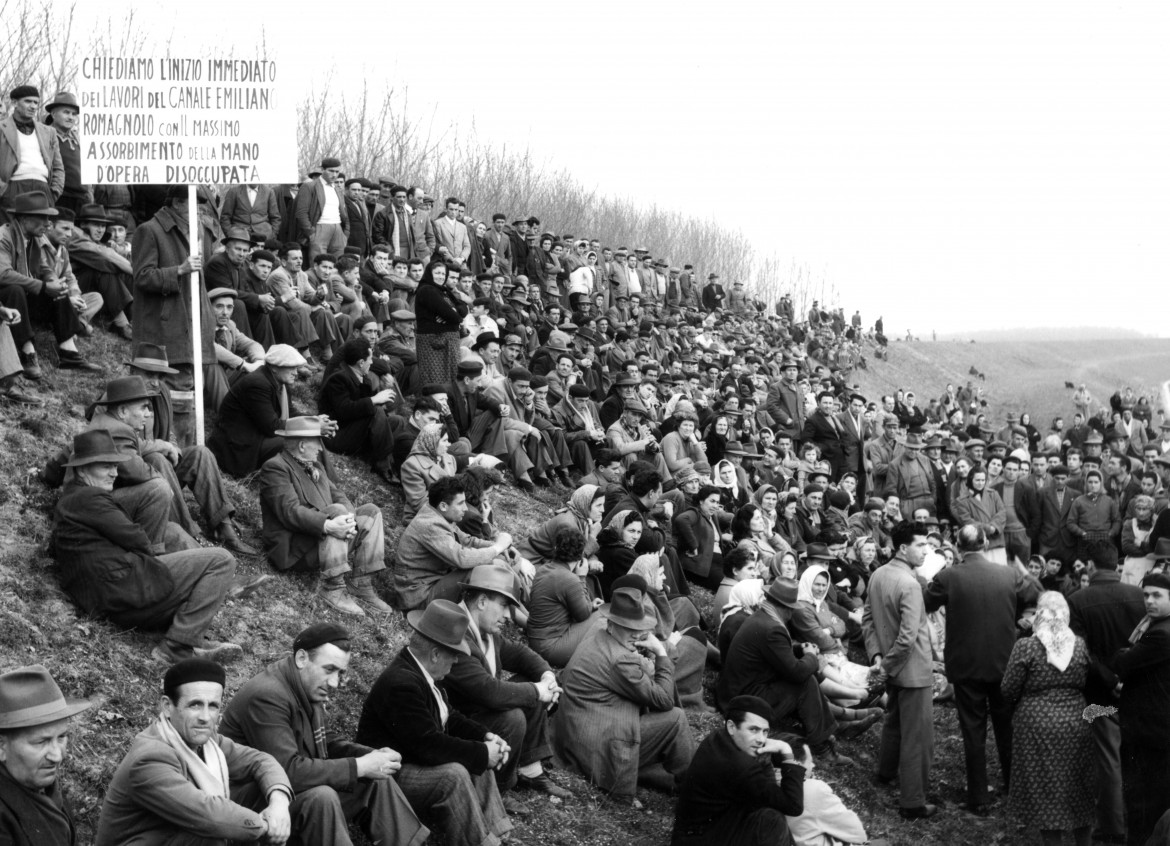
21, 398
230, 539
32, 368
525, 485
219, 650
365, 594
339, 600
978, 810
541, 480
832, 756
543, 784
515, 807
242, 588
922, 812
72, 360
859, 728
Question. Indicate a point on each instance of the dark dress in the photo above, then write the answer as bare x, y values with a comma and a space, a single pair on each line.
1052, 783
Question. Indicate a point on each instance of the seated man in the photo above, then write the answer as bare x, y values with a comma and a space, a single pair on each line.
616, 719
576, 415
128, 411
255, 407
732, 794
479, 685
281, 711
309, 524
34, 737
360, 411
761, 662
434, 554
112, 568
398, 343
446, 757
172, 786
235, 353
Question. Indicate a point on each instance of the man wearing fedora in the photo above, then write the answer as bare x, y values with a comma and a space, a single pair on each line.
447, 758
63, 117
34, 739
101, 269
29, 282
113, 568
175, 783
310, 524
126, 410
163, 263
785, 402
30, 154
618, 718
282, 711
762, 661
321, 217
911, 477
504, 685
150, 362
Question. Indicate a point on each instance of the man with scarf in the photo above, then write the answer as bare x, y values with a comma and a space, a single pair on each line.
576, 414
64, 114
173, 784
30, 155
281, 711
34, 737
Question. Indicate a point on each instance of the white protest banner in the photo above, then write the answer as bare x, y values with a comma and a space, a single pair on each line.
176, 121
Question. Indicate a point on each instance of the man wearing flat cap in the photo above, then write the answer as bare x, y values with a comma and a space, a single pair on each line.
257, 405
741, 784
34, 739
30, 154
447, 758
281, 711
503, 684
617, 714
98, 267
321, 216
310, 524
175, 783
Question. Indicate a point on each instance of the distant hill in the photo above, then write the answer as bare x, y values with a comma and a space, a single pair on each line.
1023, 375
1066, 334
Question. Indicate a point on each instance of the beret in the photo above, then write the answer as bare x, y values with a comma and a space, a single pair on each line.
478, 301
263, 255
538, 382
22, 91
1156, 580
520, 374
329, 161
578, 391
319, 634
839, 499
469, 368
381, 367
282, 355
875, 504
192, 670
354, 179
811, 488
750, 705
431, 389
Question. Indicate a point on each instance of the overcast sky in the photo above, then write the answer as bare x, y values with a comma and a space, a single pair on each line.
951, 166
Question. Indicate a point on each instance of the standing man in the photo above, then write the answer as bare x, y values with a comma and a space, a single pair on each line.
360, 225
282, 712
322, 219
253, 207
1105, 614
983, 601
451, 234
822, 429
394, 225
34, 737
63, 116
30, 155
173, 784
1143, 673
163, 264
501, 244
786, 401
897, 639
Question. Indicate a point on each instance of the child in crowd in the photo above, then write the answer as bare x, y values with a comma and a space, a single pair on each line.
825, 821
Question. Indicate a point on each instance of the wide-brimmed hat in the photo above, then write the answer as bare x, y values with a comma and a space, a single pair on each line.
783, 592
627, 380
626, 610
301, 427
30, 697
819, 551
737, 448
558, 341
495, 579
443, 622
913, 441
95, 446
63, 98
1161, 549
95, 212
34, 203
125, 389
236, 233
152, 357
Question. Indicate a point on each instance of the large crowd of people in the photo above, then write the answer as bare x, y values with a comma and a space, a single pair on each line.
867, 557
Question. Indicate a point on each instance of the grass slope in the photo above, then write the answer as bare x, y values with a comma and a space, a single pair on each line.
92, 659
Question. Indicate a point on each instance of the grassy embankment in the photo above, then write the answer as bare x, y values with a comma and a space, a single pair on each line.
38, 623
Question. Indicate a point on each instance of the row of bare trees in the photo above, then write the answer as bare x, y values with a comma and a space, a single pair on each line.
378, 132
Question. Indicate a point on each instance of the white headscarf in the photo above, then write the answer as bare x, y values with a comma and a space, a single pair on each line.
1050, 626
804, 590
745, 596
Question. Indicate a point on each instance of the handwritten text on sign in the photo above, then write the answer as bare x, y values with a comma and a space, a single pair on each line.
183, 121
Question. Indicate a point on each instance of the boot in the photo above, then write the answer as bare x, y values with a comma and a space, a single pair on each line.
334, 594
361, 588
231, 539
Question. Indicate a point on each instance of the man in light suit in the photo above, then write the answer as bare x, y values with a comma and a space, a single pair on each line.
253, 207
451, 233
619, 278
983, 601
501, 244
321, 217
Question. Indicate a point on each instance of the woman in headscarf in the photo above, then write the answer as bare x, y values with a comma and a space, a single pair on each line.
982, 505
583, 513
687, 647
1135, 541
742, 602
788, 527
561, 611
768, 498
439, 309
427, 463
615, 547
725, 478
715, 439
1053, 784
819, 620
